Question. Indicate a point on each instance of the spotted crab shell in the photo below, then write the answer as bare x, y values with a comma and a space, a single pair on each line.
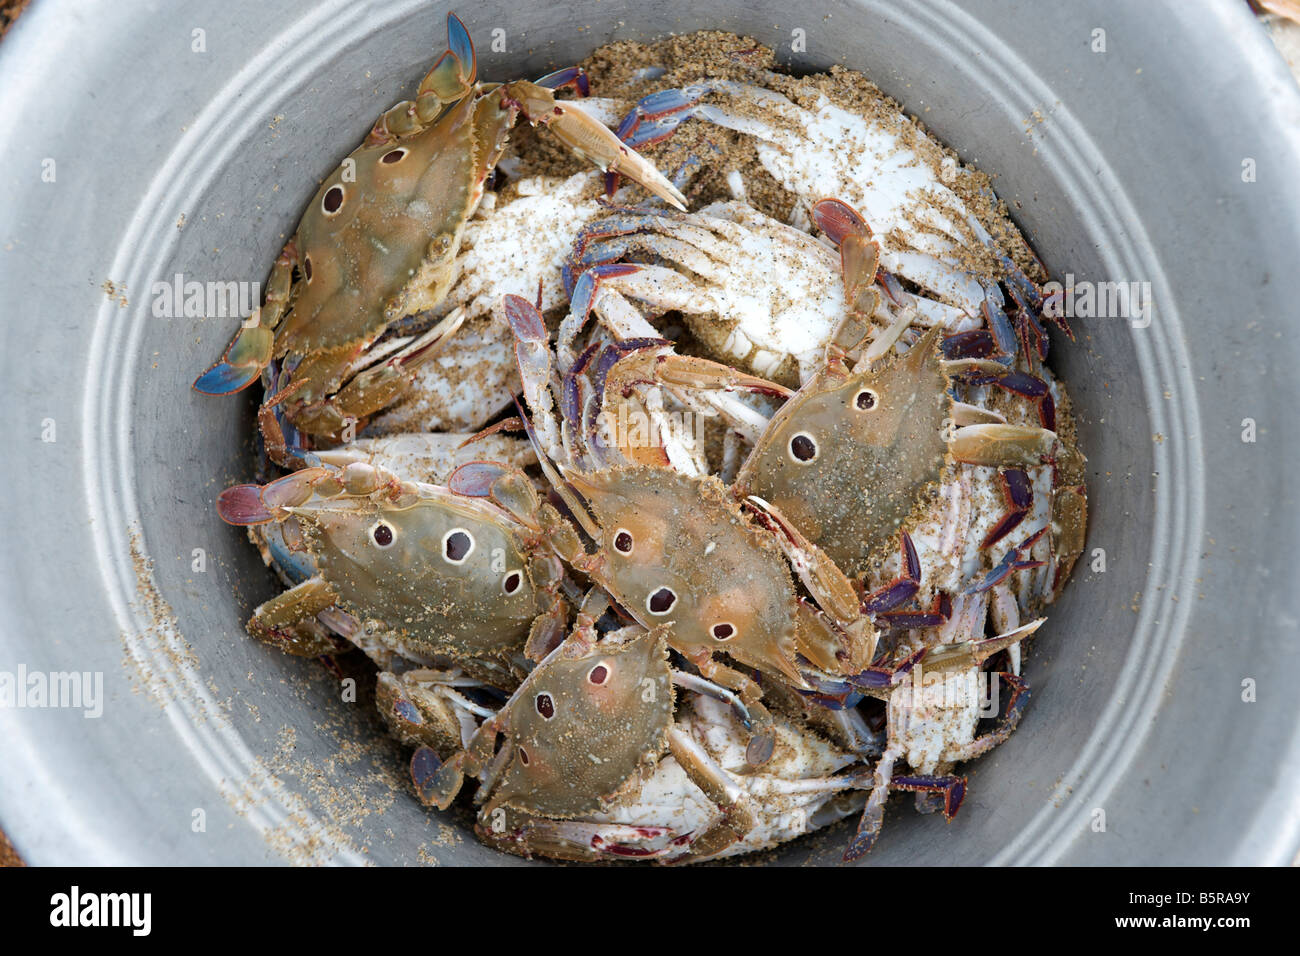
849, 457
445, 574
380, 237
587, 720
678, 549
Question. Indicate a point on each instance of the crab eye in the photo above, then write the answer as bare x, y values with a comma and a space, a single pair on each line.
393, 156
332, 202
866, 400
457, 545
407, 711
306, 268
523, 756
723, 631
511, 583
383, 535
545, 706
623, 541
803, 448
661, 601
598, 674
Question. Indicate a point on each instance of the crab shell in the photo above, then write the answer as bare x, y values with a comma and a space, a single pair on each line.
591, 717
850, 456
679, 549
445, 574
380, 241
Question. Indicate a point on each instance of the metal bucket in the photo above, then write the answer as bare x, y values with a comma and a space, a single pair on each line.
141, 141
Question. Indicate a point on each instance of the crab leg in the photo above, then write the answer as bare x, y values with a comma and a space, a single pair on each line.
701, 686
760, 747
424, 708
952, 789
904, 587
735, 817
288, 619
380, 385
1019, 494
1010, 720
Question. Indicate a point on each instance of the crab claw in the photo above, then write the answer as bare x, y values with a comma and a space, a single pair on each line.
588, 138
475, 479
242, 505
249, 504
826, 582
969, 654
953, 789
508, 487
940, 611
248, 353
859, 266
532, 354
436, 783
1002, 445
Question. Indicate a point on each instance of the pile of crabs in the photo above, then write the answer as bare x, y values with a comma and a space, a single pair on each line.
681, 533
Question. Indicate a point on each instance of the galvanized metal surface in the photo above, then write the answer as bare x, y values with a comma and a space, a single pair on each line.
1124, 165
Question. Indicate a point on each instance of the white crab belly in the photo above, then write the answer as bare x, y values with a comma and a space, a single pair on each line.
930, 723
432, 456
460, 389
787, 797
509, 249
849, 157
782, 289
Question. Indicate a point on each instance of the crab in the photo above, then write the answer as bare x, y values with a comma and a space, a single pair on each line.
877, 161
381, 240
758, 294
590, 760
401, 568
